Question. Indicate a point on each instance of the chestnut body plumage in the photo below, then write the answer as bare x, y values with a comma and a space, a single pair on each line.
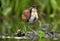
30, 15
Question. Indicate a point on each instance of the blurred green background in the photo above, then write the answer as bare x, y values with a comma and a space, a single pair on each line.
11, 11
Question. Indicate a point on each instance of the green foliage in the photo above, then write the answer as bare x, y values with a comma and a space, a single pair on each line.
49, 13
41, 33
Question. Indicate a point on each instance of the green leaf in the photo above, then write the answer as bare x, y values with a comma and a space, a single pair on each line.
54, 4
41, 34
7, 11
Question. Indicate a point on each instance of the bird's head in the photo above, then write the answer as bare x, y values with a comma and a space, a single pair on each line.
26, 15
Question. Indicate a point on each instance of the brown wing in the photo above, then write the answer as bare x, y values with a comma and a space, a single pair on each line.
26, 15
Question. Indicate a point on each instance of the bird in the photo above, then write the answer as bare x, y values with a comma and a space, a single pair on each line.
30, 14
